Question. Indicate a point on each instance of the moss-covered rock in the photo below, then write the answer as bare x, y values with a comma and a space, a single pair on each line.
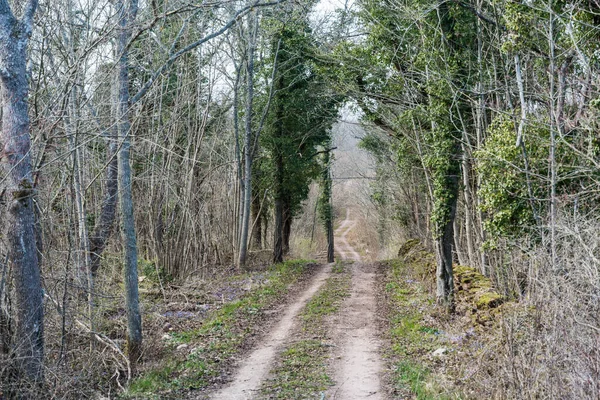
407, 247
476, 295
421, 260
488, 300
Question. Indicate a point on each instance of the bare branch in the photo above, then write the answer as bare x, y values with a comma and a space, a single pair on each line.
28, 15
192, 46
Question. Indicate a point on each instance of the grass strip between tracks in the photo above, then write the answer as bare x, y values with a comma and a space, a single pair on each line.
301, 370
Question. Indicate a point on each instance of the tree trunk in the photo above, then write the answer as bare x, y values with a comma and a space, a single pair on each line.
328, 212
104, 226
278, 228
19, 222
469, 209
278, 232
256, 216
287, 228
248, 153
127, 15
443, 244
279, 173
330, 241
447, 176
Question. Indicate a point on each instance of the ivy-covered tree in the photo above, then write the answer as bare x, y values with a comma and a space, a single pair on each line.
298, 124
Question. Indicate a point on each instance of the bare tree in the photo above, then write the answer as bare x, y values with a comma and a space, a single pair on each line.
18, 191
127, 16
248, 143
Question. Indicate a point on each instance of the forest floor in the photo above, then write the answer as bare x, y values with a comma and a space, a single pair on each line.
349, 330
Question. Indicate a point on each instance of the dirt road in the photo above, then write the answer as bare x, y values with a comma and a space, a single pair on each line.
356, 366
255, 368
342, 247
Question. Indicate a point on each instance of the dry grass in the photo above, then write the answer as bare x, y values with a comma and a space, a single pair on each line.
83, 360
548, 346
544, 344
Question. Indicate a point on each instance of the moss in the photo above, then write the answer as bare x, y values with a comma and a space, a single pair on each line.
407, 247
488, 300
476, 296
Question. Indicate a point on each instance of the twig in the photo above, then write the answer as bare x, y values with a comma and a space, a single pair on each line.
99, 337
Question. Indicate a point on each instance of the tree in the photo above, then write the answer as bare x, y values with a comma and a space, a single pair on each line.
325, 203
412, 91
302, 114
19, 189
249, 139
127, 13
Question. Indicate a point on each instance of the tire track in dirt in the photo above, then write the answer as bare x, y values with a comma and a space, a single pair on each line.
357, 366
342, 246
255, 368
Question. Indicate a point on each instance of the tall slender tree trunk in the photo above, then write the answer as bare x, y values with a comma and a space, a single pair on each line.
330, 241
84, 271
127, 12
327, 213
104, 226
279, 174
469, 209
18, 190
480, 126
256, 216
248, 143
552, 155
278, 228
448, 178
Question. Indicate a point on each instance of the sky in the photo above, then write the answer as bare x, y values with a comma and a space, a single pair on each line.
327, 7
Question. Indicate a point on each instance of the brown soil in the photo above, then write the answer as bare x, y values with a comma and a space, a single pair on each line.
255, 367
357, 365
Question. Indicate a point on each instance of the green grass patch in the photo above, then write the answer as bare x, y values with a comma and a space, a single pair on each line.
412, 341
301, 371
220, 337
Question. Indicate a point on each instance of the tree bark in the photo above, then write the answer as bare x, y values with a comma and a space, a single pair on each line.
104, 226
444, 229
248, 153
256, 216
445, 276
287, 228
127, 14
18, 191
469, 209
278, 228
279, 174
328, 212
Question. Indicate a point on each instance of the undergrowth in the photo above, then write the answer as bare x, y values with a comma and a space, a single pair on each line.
301, 371
413, 340
199, 356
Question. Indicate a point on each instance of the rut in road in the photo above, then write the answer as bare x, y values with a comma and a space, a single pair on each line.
255, 368
358, 365
342, 247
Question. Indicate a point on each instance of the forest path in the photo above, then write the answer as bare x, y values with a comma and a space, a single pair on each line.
357, 364
342, 247
255, 368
